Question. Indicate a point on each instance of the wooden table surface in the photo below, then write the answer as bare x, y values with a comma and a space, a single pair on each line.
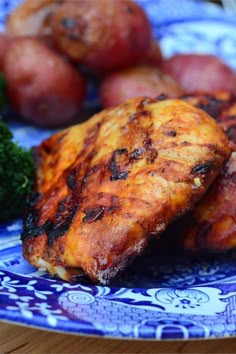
24, 340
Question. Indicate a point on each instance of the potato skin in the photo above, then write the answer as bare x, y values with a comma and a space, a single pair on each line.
31, 18
104, 35
42, 87
198, 72
153, 56
134, 82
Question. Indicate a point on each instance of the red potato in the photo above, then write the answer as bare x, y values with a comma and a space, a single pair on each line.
104, 35
3, 48
31, 18
153, 56
42, 87
197, 72
137, 81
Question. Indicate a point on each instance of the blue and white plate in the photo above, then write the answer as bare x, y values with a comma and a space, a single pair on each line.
163, 296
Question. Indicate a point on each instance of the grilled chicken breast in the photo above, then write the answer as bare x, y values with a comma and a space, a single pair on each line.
102, 187
211, 225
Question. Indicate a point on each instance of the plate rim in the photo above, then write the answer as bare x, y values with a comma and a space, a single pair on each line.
24, 321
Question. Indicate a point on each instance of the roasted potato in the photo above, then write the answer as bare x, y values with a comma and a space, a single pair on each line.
104, 35
198, 72
134, 82
42, 87
153, 56
31, 18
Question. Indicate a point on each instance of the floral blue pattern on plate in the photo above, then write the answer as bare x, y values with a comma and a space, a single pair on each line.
174, 296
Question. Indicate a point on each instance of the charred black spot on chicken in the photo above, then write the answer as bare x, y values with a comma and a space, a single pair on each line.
170, 133
137, 154
116, 173
31, 227
94, 214
202, 168
71, 179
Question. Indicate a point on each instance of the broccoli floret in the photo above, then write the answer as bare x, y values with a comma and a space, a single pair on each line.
16, 175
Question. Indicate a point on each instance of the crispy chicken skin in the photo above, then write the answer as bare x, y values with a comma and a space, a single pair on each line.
211, 225
103, 186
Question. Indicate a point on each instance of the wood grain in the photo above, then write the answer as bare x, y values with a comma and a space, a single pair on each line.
19, 340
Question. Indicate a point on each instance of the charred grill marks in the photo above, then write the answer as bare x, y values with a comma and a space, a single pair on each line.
98, 212
33, 199
114, 166
71, 180
94, 214
31, 227
51, 229
151, 152
146, 150
137, 154
67, 211
67, 208
59, 223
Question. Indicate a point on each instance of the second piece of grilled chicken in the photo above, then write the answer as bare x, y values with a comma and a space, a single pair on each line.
103, 186
211, 225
